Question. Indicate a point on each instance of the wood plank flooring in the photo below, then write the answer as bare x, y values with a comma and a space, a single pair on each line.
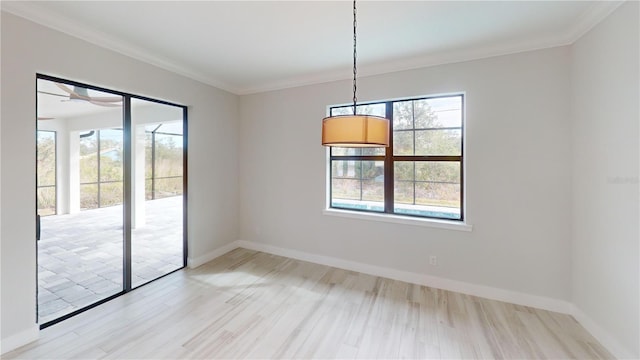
248, 304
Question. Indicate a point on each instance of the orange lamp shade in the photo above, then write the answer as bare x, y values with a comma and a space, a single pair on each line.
355, 131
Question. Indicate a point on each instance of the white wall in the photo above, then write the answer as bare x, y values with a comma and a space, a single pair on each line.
517, 171
605, 78
28, 48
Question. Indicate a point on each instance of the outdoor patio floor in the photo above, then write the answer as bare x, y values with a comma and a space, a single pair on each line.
80, 256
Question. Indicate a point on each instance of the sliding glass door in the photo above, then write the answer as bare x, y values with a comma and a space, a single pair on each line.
79, 198
110, 191
158, 186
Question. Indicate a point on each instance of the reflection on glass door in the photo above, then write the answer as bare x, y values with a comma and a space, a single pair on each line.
80, 198
110, 195
157, 148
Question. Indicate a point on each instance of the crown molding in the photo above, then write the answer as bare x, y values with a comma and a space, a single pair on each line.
386, 67
590, 18
35, 13
597, 12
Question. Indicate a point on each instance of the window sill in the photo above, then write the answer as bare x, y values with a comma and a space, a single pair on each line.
399, 219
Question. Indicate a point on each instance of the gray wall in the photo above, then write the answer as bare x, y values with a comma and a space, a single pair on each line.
517, 172
606, 114
28, 48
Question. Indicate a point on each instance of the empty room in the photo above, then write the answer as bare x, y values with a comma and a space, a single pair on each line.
320, 179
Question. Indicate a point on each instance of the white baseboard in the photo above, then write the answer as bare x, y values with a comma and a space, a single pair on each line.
609, 342
195, 262
488, 292
22, 338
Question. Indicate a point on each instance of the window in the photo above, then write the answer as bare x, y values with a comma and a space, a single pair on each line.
46, 168
101, 168
419, 174
164, 148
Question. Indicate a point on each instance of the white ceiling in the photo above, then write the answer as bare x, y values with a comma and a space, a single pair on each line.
252, 46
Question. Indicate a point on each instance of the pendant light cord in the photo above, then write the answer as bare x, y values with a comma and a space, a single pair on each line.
355, 71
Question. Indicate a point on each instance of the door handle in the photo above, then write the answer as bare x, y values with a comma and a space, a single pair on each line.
37, 227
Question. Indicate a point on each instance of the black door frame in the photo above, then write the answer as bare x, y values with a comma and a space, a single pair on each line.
127, 188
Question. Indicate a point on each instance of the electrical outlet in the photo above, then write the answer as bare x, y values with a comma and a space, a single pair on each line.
433, 260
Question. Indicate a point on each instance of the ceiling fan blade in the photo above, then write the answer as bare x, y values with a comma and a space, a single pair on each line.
75, 96
101, 103
66, 89
106, 98
80, 95
53, 94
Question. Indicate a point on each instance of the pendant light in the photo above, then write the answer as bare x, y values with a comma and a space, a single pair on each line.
355, 130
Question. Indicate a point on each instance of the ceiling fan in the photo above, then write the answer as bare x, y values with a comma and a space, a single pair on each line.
79, 93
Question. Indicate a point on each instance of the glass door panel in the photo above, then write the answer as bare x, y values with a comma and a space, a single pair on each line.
157, 151
80, 198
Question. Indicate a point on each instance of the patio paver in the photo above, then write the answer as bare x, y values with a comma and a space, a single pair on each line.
80, 256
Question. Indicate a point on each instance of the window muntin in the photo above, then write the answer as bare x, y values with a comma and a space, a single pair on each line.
419, 174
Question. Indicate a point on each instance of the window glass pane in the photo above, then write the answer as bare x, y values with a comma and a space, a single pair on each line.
432, 190
111, 193
342, 110
378, 109
342, 151
357, 185
46, 200
403, 115
437, 171
372, 109
438, 112
88, 157
148, 150
174, 128
167, 187
46, 158
88, 196
111, 155
46, 167
345, 189
164, 160
372, 151
168, 155
404, 170
428, 114
148, 193
373, 189
438, 142
403, 192
157, 238
403, 143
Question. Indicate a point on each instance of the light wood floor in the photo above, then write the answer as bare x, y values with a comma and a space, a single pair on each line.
248, 304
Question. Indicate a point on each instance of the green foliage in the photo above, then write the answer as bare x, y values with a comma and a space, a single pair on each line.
109, 169
168, 163
168, 166
46, 167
